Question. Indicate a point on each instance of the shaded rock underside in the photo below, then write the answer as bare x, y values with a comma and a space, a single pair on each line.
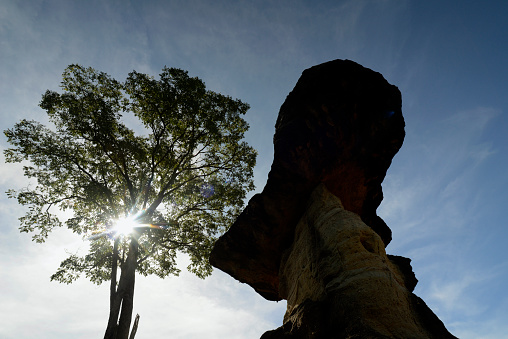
341, 126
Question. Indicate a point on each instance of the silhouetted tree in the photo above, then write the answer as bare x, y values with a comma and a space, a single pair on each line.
179, 182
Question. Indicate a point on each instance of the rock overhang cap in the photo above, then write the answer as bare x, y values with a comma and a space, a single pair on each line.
341, 125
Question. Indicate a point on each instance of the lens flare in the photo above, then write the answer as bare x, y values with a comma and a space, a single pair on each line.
125, 226
207, 190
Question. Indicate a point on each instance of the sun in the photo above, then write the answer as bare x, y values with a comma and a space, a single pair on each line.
125, 226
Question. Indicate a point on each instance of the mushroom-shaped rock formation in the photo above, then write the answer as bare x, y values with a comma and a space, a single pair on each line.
312, 236
341, 126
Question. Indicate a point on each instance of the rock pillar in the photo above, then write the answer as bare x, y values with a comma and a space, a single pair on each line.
313, 236
340, 283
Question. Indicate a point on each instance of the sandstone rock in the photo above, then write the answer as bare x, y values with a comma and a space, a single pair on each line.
341, 125
339, 282
312, 236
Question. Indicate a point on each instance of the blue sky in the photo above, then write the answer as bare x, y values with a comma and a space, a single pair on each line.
445, 193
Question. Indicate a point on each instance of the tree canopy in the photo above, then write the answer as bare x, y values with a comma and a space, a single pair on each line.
179, 171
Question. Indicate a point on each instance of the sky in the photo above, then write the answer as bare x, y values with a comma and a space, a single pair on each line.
445, 194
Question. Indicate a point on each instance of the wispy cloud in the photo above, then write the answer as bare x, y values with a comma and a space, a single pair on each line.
434, 207
180, 307
221, 307
439, 186
492, 327
453, 295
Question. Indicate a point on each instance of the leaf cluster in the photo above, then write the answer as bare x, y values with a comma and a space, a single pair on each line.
186, 165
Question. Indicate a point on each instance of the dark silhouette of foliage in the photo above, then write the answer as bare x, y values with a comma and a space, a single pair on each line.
180, 176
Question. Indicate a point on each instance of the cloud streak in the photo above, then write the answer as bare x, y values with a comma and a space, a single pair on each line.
444, 193
439, 182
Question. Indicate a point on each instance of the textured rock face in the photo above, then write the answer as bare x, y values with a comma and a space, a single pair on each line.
312, 236
341, 125
339, 282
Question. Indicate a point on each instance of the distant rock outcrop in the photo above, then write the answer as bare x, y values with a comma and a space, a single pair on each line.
313, 236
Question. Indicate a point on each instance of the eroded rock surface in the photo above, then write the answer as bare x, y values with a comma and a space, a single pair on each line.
341, 125
339, 282
312, 236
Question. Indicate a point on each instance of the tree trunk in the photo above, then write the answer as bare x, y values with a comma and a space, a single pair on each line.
121, 301
113, 296
134, 327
